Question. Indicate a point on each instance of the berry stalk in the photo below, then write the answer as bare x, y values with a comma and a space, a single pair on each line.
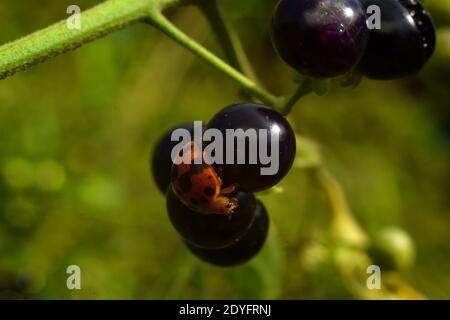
304, 89
228, 37
160, 22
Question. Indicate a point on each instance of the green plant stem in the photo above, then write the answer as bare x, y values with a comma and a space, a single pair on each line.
304, 89
160, 22
343, 224
228, 37
58, 38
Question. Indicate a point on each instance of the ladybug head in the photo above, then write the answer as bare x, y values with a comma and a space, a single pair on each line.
224, 205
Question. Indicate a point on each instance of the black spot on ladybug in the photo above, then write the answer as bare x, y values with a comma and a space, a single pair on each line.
209, 177
209, 192
185, 182
194, 201
198, 168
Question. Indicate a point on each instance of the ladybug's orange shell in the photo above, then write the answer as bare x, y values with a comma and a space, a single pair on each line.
194, 187
197, 185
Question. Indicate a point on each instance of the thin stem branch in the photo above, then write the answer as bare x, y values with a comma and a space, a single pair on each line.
304, 89
228, 37
58, 38
160, 22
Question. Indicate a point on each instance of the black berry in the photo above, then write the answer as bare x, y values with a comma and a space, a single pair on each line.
212, 231
403, 44
245, 249
320, 38
249, 176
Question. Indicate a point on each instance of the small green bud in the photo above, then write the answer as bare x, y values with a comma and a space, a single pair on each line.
393, 249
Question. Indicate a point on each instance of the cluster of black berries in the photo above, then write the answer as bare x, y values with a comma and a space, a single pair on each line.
320, 39
227, 238
379, 39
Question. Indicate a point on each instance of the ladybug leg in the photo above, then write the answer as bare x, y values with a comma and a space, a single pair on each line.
230, 189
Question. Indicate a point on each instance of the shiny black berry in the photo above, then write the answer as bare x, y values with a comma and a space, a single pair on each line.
245, 249
320, 38
161, 161
403, 44
212, 231
262, 131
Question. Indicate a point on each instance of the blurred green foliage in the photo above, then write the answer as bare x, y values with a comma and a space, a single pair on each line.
75, 187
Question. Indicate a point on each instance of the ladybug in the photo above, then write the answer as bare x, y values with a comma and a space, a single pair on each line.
199, 187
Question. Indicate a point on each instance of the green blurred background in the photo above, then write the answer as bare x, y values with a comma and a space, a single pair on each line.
75, 187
